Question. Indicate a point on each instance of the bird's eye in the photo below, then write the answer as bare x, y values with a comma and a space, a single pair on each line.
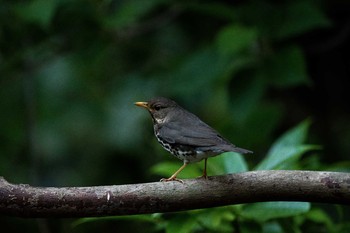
157, 107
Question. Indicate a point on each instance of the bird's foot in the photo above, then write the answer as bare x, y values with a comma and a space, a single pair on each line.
204, 176
171, 179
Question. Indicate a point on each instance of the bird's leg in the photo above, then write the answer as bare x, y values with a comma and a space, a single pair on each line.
205, 169
173, 177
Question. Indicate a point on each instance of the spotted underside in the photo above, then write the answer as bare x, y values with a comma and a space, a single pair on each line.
185, 153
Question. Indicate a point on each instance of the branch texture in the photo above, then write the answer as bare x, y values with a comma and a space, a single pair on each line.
258, 186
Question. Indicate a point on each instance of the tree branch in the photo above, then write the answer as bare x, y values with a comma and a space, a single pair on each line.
258, 186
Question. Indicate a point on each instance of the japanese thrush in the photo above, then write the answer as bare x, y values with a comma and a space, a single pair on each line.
184, 135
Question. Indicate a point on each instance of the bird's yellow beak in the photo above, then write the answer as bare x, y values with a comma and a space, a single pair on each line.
142, 104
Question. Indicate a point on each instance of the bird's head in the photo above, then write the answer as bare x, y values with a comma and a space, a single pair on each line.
159, 108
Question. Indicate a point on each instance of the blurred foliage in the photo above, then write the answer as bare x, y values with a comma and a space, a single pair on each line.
71, 70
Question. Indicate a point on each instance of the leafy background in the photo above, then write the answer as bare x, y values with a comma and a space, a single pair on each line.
269, 75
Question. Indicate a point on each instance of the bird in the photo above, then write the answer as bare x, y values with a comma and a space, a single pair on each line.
184, 135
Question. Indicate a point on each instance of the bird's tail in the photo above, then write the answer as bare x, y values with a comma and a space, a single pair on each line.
241, 150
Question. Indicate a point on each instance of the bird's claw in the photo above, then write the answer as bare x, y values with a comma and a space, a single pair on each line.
204, 176
171, 179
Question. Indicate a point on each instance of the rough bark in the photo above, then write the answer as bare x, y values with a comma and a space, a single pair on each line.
258, 186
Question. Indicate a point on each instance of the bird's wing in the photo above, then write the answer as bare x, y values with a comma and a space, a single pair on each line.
201, 135
198, 135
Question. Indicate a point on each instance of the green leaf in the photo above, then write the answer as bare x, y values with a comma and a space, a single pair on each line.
197, 74
38, 11
229, 162
264, 211
182, 223
286, 68
141, 218
216, 219
288, 146
278, 159
319, 216
293, 137
234, 162
272, 227
300, 17
235, 38
130, 12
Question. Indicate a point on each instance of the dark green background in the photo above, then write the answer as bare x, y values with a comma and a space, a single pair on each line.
70, 72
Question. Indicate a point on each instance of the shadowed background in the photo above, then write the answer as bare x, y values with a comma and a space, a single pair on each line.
70, 72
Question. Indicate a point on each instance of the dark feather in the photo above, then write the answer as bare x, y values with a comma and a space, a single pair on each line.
188, 129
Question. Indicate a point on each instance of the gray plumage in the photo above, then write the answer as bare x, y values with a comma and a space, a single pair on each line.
184, 135
185, 131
